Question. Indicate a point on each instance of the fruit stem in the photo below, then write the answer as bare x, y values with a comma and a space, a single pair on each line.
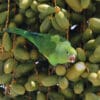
67, 34
54, 1
8, 14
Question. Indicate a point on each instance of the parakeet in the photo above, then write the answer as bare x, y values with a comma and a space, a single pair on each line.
55, 48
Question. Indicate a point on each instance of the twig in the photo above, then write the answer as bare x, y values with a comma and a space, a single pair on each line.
8, 14
14, 37
67, 34
54, 1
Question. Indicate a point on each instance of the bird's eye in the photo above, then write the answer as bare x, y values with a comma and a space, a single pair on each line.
67, 52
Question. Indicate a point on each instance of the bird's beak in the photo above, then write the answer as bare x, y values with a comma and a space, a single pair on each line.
72, 58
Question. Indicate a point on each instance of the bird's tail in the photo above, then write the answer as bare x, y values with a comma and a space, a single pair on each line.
26, 34
21, 32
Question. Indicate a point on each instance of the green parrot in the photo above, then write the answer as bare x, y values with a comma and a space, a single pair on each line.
55, 48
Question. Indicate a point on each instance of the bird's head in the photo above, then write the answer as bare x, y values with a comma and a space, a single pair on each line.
71, 54
67, 52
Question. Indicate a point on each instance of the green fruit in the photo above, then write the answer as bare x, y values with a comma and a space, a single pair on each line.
5, 55
95, 57
66, 13
55, 96
21, 53
21, 80
22, 69
63, 83
38, 78
91, 96
68, 93
50, 81
90, 45
17, 89
93, 78
97, 50
60, 70
98, 73
53, 31
29, 13
3, 16
45, 8
92, 67
6, 42
9, 65
42, 16
30, 21
22, 97
45, 25
55, 25
22, 11
31, 86
61, 20
75, 71
97, 40
24, 4
81, 54
20, 40
78, 88
76, 39
5, 78
34, 54
94, 24
34, 5
91, 9
85, 3
4, 98
12, 25
88, 34
85, 74
18, 19
40, 96
75, 5
3, 6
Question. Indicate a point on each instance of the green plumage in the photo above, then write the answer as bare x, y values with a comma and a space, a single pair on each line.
55, 48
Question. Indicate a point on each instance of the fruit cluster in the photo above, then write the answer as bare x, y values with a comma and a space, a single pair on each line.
25, 74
